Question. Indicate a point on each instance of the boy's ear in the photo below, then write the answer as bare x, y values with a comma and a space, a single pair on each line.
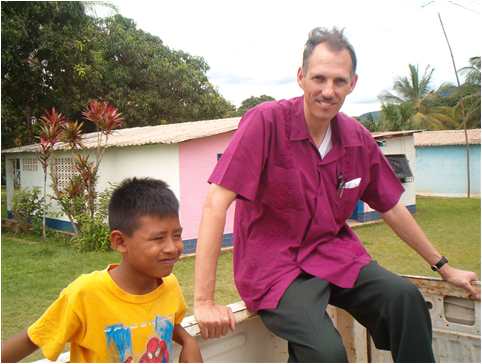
117, 241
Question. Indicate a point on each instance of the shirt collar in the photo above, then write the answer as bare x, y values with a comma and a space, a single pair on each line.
344, 134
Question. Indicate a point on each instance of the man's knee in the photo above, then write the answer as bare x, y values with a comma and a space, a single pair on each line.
321, 353
402, 290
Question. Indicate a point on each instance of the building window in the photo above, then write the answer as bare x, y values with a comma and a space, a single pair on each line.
30, 164
399, 163
64, 169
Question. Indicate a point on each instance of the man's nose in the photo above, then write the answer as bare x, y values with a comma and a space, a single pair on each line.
328, 90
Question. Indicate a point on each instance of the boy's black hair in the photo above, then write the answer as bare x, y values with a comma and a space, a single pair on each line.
137, 197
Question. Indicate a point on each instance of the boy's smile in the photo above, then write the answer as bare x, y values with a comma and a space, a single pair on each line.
150, 252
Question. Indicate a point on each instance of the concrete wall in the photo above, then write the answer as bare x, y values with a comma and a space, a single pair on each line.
441, 170
397, 145
28, 178
156, 160
198, 158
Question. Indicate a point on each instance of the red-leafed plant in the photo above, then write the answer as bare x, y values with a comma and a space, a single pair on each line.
51, 126
78, 198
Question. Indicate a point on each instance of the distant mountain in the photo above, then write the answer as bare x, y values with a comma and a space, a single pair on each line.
375, 115
370, 120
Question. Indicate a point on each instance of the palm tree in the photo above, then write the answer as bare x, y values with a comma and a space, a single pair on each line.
414, 93
471, 92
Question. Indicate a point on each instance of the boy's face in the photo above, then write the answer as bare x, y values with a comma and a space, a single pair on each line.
155, 246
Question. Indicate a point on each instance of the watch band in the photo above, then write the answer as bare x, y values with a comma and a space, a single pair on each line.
436, 267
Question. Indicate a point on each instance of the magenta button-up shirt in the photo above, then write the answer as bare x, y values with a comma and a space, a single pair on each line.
291, 211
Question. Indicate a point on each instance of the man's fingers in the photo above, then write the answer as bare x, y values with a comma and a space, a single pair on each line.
215, 321
204, 331
232, 319
474, 292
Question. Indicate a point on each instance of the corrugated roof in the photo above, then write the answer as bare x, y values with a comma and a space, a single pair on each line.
446, 137
159, 134
393, 134
172, 133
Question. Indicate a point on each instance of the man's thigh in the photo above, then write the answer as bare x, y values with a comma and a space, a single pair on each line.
301, 319
371, 301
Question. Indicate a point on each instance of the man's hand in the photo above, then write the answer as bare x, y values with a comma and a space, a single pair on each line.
462, 279
214, 320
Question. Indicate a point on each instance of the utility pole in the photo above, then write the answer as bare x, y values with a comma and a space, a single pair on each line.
462, 108
464, 119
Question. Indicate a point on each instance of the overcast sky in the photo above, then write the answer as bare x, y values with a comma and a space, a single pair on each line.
254, 47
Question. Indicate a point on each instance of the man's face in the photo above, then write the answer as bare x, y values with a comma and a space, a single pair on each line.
155, 246
327, 81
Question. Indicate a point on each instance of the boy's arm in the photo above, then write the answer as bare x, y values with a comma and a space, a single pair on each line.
17, 347
190, 352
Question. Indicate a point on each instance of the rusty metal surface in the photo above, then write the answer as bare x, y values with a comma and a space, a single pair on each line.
455, 321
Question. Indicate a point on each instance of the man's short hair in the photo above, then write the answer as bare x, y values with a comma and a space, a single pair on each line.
137, 197
334, 39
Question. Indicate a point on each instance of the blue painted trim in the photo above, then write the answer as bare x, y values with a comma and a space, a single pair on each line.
374, 215
190, 244
55, 224
358, 210
59, 225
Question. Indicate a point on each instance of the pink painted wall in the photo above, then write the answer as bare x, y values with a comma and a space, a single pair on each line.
197, 159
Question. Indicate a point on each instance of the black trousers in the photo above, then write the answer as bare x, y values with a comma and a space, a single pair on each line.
389, 306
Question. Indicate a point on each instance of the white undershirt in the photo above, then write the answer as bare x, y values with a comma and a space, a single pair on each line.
326, 144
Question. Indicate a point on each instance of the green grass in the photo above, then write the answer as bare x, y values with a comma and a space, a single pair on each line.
451, 224
34, 272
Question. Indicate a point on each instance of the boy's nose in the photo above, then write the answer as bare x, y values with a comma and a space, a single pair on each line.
170, 247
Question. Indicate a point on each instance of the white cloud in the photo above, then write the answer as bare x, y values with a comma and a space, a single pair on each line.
254, 47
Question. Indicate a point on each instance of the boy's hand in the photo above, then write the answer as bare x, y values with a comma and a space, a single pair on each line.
190, 352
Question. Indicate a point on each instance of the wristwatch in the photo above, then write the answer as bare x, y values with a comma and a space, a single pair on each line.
436, 267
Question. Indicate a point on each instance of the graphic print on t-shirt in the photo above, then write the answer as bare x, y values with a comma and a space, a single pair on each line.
147, 342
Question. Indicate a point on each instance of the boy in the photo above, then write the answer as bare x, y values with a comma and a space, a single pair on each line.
130, 312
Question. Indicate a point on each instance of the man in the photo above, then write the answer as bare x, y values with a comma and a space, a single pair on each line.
297, 168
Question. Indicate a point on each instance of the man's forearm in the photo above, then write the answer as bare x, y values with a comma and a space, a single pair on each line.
210, 237
404, 225
207, 253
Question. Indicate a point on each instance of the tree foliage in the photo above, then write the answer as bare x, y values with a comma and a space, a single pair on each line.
414, 104
252, 102
53, 54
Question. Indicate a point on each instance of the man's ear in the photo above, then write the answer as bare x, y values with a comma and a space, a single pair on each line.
117, 241
354, 80
299, 77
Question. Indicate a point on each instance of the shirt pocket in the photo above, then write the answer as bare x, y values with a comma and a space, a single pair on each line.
282, 189
346, 203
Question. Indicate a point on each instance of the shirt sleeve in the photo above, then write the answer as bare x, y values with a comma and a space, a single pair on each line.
384, 189
55, 327
240, 167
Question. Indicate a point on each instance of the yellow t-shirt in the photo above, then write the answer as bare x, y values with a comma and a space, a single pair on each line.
103, 323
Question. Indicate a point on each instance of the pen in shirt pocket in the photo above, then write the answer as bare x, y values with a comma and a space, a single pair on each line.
340, 180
